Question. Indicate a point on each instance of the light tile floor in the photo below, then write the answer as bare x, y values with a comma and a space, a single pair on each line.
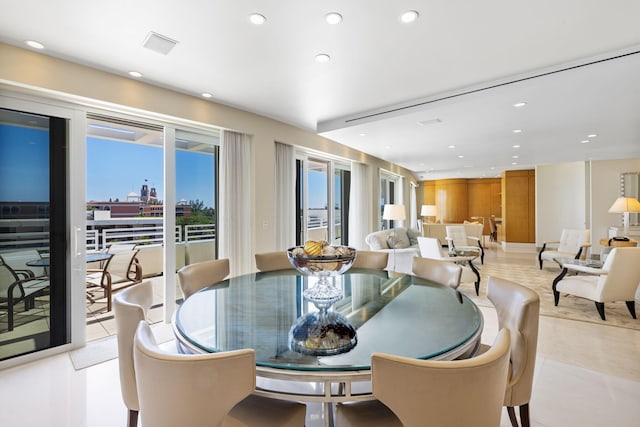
587, 375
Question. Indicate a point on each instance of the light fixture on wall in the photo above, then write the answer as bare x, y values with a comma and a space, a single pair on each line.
624, 205
390, 213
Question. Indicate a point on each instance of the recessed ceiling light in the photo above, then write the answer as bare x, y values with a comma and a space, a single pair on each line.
519, 104
388, 147
452, 146
515, 146
517, 131
257, 19
333, 18
34, 44
135, 74
363, 134
492, 167
206, 95
584, 141
323, 58
514, 157
514, 163
409, 16
593, 135
461, 156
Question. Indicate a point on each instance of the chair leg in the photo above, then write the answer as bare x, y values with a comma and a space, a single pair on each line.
512, 416
600, 308
631, 305
524, 415
133, 418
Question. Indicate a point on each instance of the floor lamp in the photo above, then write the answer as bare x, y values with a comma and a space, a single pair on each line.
393, 213
624, 205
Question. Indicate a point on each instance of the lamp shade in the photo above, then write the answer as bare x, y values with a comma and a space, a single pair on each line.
625, 204
428, 210
393, 212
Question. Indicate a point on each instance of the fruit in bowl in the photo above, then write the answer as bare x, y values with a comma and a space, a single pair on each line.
318, 258
321, 260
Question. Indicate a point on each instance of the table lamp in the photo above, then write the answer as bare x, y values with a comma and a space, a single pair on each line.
393, 212
624, 205
427, 212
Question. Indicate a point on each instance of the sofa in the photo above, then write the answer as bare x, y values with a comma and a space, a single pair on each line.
400, 243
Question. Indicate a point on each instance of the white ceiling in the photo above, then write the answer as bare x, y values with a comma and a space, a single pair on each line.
379, 64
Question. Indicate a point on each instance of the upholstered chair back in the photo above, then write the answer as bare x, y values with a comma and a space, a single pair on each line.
621, 282
466, 392
130, 308
189, 390
371, 259
194, 277
442, 272
571, 240
518, 309
430, 247
270, 261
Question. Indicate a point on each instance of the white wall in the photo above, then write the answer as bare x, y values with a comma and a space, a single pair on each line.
560, 199
605, 188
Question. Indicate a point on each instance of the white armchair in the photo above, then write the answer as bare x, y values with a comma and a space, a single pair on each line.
457, 237
572, 244
617, 280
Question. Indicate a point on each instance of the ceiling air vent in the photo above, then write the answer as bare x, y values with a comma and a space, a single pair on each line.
429, 122
159, 43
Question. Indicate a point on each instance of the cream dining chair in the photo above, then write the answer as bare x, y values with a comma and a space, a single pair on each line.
425, 393
271, 261
193, 277
371, 259
204, 390
518, 309
441, 272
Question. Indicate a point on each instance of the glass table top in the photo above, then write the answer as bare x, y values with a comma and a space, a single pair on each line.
401, 315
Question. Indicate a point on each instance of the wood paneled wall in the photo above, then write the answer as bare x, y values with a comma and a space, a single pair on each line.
518, 206
460, 199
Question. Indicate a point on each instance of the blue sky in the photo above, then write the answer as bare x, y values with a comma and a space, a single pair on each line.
24, 164
115, 169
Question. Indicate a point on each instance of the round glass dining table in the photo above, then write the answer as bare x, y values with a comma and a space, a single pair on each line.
397, 314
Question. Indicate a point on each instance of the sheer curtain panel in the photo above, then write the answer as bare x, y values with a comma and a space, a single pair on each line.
360, 202
234, 219
285, 195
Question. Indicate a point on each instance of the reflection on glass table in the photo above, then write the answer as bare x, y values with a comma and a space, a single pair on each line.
401, 315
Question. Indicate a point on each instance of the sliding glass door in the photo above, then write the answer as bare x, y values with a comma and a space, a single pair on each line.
34, 230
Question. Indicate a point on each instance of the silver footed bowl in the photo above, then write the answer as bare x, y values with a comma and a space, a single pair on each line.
339, 260
335, 261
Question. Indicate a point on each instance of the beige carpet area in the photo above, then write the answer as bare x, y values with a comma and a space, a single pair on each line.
569, 307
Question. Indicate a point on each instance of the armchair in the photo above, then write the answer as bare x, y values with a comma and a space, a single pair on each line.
430, 248
457, 237
13, 289
122, 268
572, 244
617, 280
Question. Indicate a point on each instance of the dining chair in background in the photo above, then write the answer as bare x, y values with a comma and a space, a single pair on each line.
423, 393
371, 259
430, 248
444, 273
122, 268
204, 390
271, 261
193, 277
518, 309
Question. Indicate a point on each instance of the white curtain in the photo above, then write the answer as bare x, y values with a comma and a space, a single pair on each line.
235, 212
360, 202
413, 208
285, 195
